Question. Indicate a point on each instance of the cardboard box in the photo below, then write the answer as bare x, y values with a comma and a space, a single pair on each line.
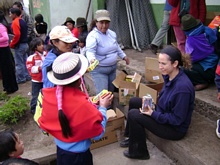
127, 89
152, 72
144, 90
110, 136
158, 87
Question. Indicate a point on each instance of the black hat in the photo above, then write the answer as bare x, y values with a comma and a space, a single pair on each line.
189, 22
68, 19
80, 22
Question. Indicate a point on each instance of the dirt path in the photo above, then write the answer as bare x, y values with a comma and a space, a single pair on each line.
27, 129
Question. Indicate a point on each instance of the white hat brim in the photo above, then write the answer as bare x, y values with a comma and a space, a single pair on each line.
68, 39
81, 72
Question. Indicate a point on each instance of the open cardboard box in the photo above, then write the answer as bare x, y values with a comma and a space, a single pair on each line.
154, 79
152, 72
127, 89
113, 125
144, 90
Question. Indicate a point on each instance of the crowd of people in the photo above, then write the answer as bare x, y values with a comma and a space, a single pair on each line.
56, 61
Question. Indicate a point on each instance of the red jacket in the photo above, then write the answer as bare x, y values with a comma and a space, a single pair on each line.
197, 10
34, 65
84, 119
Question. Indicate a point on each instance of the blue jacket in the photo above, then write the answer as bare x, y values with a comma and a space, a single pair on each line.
176, 102
51, 56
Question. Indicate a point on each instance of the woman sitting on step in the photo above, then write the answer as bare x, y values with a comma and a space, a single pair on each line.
172, 115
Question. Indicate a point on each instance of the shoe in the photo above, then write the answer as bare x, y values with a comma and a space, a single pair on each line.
124, 143
141, 157
153, 48
199, 87
218, 128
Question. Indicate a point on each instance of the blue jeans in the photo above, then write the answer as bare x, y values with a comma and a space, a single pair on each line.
36, 87
103, 76
158, 39
20, 62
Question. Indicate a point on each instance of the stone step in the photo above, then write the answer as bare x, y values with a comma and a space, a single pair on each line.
201, 145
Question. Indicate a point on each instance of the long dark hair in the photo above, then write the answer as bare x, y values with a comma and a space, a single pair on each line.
7, 144
4, 21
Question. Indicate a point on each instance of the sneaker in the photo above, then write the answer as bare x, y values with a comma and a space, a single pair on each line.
153, 48
218, 128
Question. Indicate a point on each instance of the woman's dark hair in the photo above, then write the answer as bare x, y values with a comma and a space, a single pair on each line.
4, 21
174, 54
18, 4
7, 144
19, 161
15, 11
92, 25
64, 123
39, 18
35, 42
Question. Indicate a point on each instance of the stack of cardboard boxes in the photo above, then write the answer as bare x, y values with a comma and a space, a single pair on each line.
130, 86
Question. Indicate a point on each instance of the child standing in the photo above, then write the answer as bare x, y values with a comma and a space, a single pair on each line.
34, 64
10, 145
82, 45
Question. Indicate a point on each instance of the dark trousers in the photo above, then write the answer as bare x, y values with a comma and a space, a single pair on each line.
197, 75
7, 67
36, 87
136, 125
70, 158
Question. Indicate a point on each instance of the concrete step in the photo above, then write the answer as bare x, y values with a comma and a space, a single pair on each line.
200, 146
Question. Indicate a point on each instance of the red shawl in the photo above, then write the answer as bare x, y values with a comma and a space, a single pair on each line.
84, 119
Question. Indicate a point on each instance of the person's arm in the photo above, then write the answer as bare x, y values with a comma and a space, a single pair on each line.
4, 34
30, 64
103, 123
217, 79
103, 104
16, 32
29, 23
178, 113
91, 46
